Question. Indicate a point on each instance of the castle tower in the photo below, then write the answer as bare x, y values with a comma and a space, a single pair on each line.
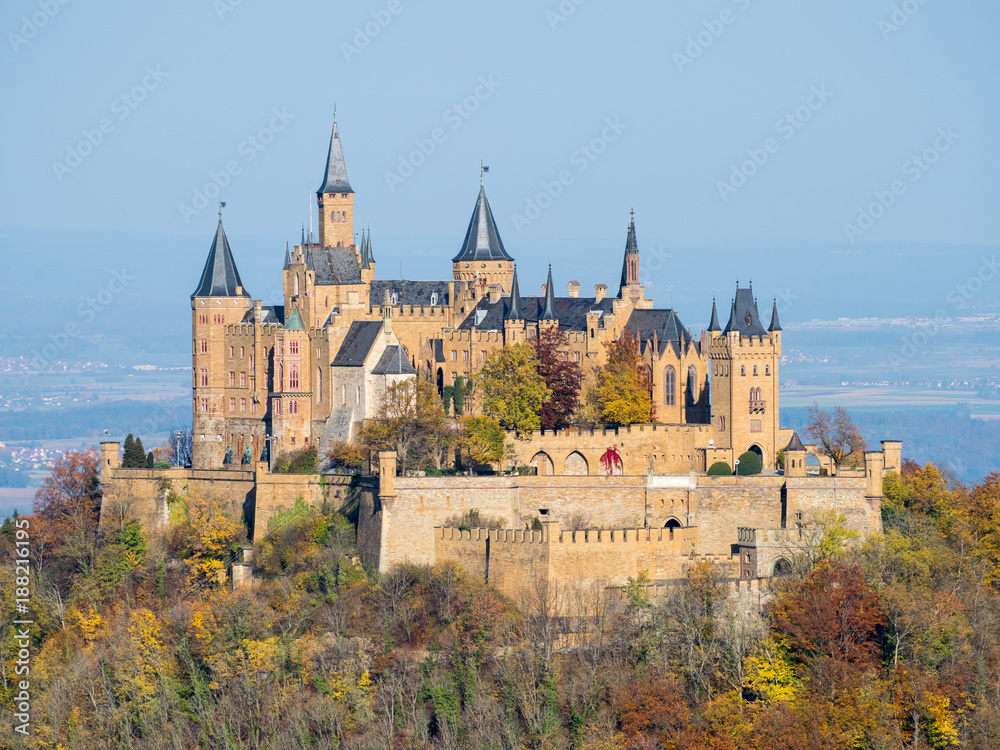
513, 319
744, 359
336, 198
218, 302
483, 257
291, 396
630, 288
367, 258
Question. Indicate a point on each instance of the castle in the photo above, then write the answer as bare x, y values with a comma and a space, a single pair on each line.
273, 379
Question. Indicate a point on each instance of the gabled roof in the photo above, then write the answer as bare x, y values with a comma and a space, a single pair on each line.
394, 362
411, 292
795, 444
744, 316
269, 314
220, 277
571, 312
357, 343
333, 265
294, 322
664, 323
482, 240
549, 313
335, 180
714, 323
775, 323
514, 303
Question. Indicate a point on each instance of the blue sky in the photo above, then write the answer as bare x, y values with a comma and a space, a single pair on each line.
694, 90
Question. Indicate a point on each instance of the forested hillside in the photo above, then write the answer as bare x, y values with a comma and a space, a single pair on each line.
886, 642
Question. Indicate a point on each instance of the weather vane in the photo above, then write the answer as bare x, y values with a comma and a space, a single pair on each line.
483, 169
222, 205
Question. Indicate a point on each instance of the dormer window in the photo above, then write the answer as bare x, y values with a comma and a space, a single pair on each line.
749, 320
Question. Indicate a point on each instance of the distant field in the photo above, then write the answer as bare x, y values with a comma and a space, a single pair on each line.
19, 498
858, 397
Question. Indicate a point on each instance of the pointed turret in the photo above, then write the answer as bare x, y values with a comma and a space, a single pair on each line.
288, 259
482, 240
630, 263
714, 326
294, 322
775, 323
734, 324
514, 306
335, 180
550, 299
220, 277
795, 444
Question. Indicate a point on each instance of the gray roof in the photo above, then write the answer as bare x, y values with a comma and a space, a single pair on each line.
268, 314
795, 444
714, 324
549, 313
775, 323
357, 343
220, 277
410, 292
333, 265
366, 250
482, 240
394, 362
744, 316
335, 180
665, 323
571, 312
514, 301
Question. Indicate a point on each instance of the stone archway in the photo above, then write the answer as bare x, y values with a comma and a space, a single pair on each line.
576, 465
672, 525
781, 567
543, 463
756, 448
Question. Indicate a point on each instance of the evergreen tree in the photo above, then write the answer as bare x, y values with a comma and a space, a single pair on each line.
129, 452
150, 460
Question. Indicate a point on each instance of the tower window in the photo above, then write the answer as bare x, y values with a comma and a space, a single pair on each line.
203, 404
293, 347
767, 369
293, 376
243, 380
755, 370
743, 370
243, 352
204, 376
232, 405
204, 346
232, 379
230, 352
243, 405
293, 407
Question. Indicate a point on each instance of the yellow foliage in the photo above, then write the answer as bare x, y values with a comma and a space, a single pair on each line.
253, 661
770, 673
89, 623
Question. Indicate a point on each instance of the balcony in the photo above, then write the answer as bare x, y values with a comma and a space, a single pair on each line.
758, 407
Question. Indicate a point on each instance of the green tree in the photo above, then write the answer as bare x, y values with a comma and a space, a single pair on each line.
719, 469
483, 440
513, 391
750, 464
624, 390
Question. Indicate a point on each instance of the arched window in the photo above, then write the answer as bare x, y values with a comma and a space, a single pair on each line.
295, 286
319, 385
755, 370
692, 386
333, 216
767, 369
722, 424
669, 386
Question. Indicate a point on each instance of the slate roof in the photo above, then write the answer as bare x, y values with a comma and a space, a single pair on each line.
571, 312
366, 250
410, 292
714, 324
665, 323
335, 180
333, 265
514, 301
219, 277
549, 313
394, 362
295, 321
268, 314
795, 444
357, 343
775, 323
745, 305
482, 240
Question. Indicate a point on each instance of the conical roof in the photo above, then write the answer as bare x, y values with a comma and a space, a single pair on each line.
775, 323
335, 180
482, 240
795, 444
288, 258
514, 306
550, 299
220, 277
714, 324
294, 322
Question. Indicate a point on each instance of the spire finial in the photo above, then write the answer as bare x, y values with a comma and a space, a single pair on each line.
222, 205
483, 169
632, 212
335, 113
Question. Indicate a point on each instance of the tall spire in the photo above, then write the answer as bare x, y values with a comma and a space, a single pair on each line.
714, 325
335, 180
550, 299
482, 240
514, 308
220, 277
734, 324
775, 324
630, 263
288, 259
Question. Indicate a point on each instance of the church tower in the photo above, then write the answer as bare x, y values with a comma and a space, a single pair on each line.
336, 198
483, 258
630, 288
218, 302
745, 357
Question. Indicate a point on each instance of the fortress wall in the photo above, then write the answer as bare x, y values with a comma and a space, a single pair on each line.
726, 503
815, 496
519, 560
279, 492
665, 503
466, 548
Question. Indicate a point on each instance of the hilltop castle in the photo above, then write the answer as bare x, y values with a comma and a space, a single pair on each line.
271, 379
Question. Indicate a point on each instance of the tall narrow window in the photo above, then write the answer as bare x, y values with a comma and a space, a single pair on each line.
232, 405
232, 379
293, 347
319, 385
293, 377
243, 380
204, 376
669, 386
293, 407
204, 346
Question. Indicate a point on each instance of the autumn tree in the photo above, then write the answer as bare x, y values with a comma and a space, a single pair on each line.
67, 509
513, 391
624, 390
837, 435
563, 377
412, 422
484, 441
206, 536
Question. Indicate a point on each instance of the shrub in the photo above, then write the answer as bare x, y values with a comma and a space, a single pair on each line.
297, 462
750, 464
720, 469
